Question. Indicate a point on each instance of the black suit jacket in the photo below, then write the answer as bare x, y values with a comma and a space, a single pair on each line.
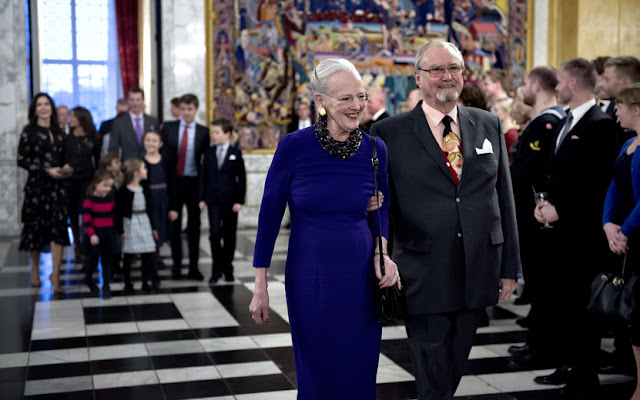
170, 148
123, 136
579, 175
367, 125
227, 185
452, 243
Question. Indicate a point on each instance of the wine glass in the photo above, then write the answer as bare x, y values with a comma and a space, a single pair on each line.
541, 199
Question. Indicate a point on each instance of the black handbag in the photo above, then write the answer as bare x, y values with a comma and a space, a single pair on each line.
391, 304
612, 296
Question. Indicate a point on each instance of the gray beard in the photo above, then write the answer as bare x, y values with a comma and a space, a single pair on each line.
444, 99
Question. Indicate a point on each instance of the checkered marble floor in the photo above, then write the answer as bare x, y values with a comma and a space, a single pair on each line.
192, 340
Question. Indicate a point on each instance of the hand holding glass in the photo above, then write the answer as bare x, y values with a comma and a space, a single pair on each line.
542, 198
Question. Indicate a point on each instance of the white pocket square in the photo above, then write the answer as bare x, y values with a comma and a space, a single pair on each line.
487, 148
232, 157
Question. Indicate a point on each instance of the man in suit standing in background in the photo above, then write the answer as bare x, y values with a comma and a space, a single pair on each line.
455, 235
375, 108
184, 143
302, 118
128, 130
583, 154
122, 107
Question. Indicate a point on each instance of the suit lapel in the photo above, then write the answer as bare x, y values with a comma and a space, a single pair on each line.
420, 128
577, 128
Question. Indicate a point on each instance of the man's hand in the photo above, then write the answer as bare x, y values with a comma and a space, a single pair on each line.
236, 207
94, 239
507, 287
546, 214
373, 204
202, 205
173, 215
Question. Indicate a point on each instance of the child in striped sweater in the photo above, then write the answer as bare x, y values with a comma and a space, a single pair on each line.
97, 219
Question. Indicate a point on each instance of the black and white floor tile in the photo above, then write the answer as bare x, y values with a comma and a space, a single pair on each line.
191, 340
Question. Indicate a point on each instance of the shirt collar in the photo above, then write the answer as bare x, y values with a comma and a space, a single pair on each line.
581, 110
134, 116
378, 114
435, 116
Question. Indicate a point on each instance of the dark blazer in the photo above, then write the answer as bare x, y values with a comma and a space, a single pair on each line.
580, 172
227, 185
452, 243
170, 148
367, 126
123, 136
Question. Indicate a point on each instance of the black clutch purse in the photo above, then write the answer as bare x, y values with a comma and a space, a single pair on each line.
612, 296
391, 304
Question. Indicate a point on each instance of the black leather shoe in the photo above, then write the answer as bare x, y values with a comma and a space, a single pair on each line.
519, 350
559, 377
176, 275
215, 277
195, 275
229, 278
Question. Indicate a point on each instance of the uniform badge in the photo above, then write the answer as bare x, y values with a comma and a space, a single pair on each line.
535, 146
549, 126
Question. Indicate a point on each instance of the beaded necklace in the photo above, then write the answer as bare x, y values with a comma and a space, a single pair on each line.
335, 148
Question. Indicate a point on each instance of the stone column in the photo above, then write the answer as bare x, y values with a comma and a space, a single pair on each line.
14, 103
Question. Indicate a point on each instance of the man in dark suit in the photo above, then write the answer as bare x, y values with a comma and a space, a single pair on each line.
529, 171
583, 155
128, 130
375, 108
223, 184
455, 235
619, 73
302, 118
184, 143
122, 107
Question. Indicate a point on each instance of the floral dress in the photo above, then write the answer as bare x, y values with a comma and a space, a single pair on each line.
44, 210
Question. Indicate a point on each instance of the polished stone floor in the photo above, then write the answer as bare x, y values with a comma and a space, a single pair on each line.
191, 340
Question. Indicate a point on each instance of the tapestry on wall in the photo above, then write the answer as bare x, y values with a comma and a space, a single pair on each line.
263, 51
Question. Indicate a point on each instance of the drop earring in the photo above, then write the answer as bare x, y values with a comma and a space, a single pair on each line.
322, 111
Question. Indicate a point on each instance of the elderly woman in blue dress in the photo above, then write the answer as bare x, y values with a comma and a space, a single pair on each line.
324, 174
621, 218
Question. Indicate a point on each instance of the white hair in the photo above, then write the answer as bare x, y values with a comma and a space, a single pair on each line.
325, 69
444, 45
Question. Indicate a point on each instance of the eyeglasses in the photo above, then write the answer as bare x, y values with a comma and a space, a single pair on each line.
347, 99
438, 71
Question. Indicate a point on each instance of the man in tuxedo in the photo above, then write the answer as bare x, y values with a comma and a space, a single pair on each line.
128, 130
583, 155
375, 108
105, 127
529, 171
302, 119
619, 73
223, 183
184, 143
455, 235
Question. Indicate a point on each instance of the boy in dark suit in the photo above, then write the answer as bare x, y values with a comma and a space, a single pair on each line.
222, 190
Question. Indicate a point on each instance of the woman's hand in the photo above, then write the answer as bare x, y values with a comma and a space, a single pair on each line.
94, 239
55, 173
391, 276
617, 240
259, 307
373, 204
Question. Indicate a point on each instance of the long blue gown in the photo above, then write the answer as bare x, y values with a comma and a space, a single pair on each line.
329, 273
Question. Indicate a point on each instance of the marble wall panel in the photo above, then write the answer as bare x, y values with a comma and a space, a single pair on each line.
183, 53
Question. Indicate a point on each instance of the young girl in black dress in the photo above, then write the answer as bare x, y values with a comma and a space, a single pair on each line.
101, 241
156, 185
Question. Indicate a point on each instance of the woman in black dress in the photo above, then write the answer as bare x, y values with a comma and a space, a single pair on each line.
44, 211
82, 152
621, 219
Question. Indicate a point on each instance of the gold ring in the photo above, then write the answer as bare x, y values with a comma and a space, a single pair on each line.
397, 273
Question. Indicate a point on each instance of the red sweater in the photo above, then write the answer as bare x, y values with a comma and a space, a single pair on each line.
97, 212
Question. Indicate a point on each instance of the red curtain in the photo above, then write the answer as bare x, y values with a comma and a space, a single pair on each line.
127, 20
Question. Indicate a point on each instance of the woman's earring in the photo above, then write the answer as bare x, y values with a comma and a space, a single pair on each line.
322, 111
